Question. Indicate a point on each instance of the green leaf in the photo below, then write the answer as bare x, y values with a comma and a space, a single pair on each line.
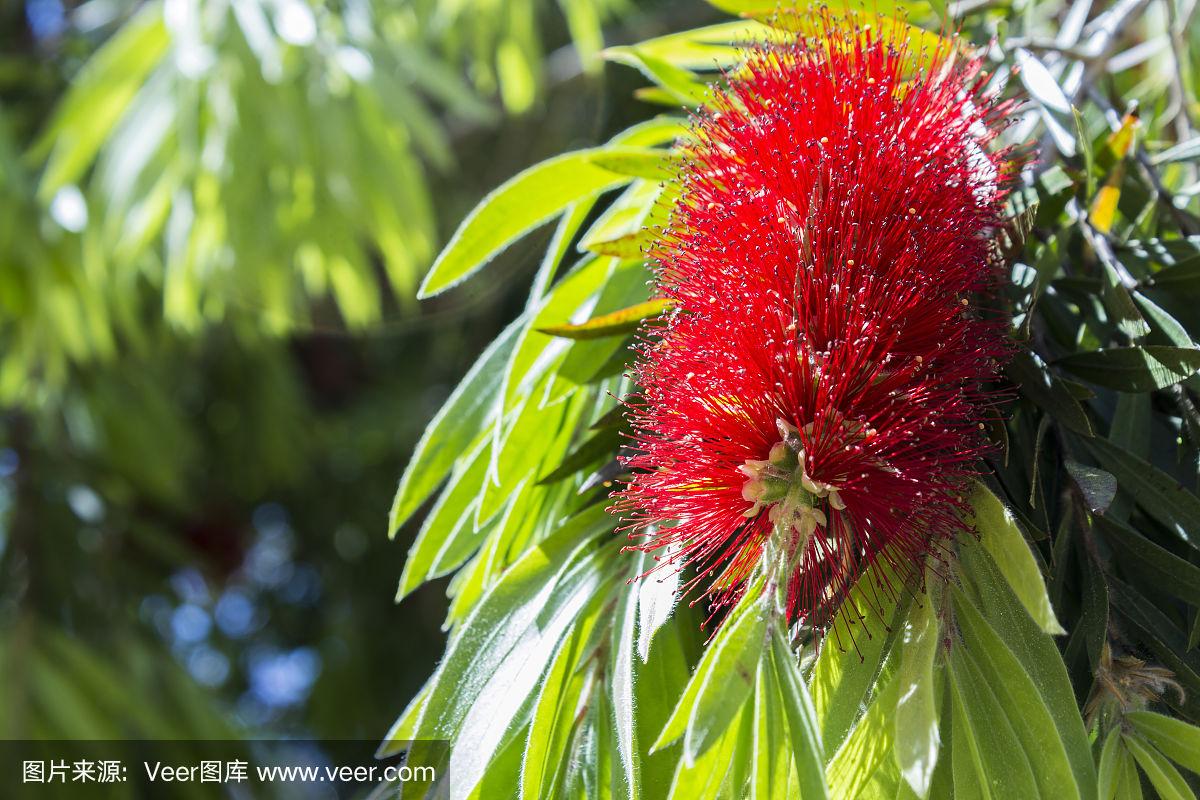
525, 201
868, 746
804, 735
1048, 392
1166, 780
99, 96
970, 780
1178, 740
495, 702
647, 163
1002, 538
1110, 763
1157, 492
448, 535
1022, 702
624, 230
554, 715
1170, 573
916, 719
722, 681
772, 762
1134, 369
1181, 279
645, 682
1034, 650
682, 84
1184, 151
602, 444
707, 48
1116, 295
505, 623
1002, 765
705, 777
615, 323
1098, 487
468, 409
843, 675
1127, 782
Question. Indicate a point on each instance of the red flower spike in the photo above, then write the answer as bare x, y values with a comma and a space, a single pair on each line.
823, 381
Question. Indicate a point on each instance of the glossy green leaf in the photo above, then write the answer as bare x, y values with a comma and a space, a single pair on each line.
527, 200
647, 163
1157, 492
916, 719
1170, 573
804, 733
851, 655
1109, 779
868, 746
1134, 369
1002, 765
1178, 740
999, 534
1098, 487
772, 757
1166, 780
1034, 650
1021, 700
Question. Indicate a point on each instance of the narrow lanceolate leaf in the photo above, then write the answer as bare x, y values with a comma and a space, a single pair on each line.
1171, 574
448, 535
527, 200
456, 425
722, 681
1002, 766
867, 747
771, 754
1165, 779
1031, 720
1157, 492
554, 715
638, 162
1110, 764
616, 323
1036, 653
1002, 538
1178, 740
1050, 393
1184, 151
804, 734
850, 658
917, 735
1134, 369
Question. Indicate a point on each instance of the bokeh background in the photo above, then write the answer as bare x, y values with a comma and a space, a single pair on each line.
213, 217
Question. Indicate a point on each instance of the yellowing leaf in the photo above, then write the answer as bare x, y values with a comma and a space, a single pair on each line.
1104, 208
616, 323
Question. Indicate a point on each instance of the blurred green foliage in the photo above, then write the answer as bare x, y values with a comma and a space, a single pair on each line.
212, 218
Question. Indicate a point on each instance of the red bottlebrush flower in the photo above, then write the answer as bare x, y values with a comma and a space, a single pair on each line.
823, 380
